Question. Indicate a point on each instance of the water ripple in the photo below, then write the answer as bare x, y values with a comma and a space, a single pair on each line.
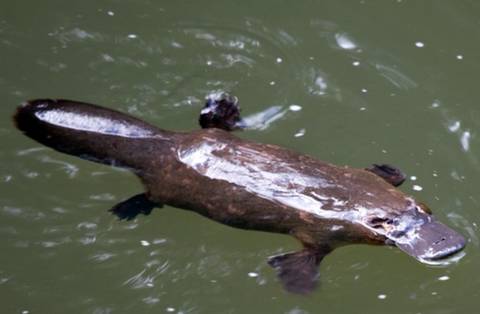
70, 169
394, 76
141, 280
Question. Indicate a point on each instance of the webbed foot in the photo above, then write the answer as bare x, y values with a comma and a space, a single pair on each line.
130, 208
298, 271
392, 175
221, 111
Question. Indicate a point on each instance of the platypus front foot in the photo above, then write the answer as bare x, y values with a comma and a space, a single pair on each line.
130, 208
391, 174
298, 271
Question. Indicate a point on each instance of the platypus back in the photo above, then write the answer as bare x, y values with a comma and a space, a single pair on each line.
89, 131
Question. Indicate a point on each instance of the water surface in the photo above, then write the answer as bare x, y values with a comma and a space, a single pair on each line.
368, 81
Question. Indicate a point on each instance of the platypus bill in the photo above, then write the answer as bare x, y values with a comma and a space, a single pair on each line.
245, 184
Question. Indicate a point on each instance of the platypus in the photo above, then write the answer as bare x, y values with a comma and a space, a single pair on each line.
245, 184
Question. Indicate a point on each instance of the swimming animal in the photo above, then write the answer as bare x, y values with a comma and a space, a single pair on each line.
245, 184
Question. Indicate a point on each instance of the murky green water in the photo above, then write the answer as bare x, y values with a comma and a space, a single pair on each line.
377, 81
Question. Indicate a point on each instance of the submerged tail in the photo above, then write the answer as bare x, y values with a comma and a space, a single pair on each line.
88, 131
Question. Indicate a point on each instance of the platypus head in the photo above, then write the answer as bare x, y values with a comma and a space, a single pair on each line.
416, 232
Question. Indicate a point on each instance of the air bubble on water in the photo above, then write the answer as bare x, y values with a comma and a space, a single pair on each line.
417, 188
344, 42
295, 107
465, 140
454, 126
443, 278
300, 133
322, 84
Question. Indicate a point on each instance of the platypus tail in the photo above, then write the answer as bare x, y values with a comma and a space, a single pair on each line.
89, 131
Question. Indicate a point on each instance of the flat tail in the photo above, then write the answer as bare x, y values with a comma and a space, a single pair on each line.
85, 130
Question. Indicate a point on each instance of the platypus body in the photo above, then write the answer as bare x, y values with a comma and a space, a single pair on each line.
245, 184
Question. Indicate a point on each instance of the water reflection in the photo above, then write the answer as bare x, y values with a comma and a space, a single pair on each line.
469, 227
69, 168
64, 36
320, 84
454, 125
262, 120
465, 140
141, 280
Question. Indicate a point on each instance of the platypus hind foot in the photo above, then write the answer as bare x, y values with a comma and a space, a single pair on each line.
391, 174
298, 271
221, 111
130, 208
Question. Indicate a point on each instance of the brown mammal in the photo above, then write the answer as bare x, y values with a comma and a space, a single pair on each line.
245, 184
